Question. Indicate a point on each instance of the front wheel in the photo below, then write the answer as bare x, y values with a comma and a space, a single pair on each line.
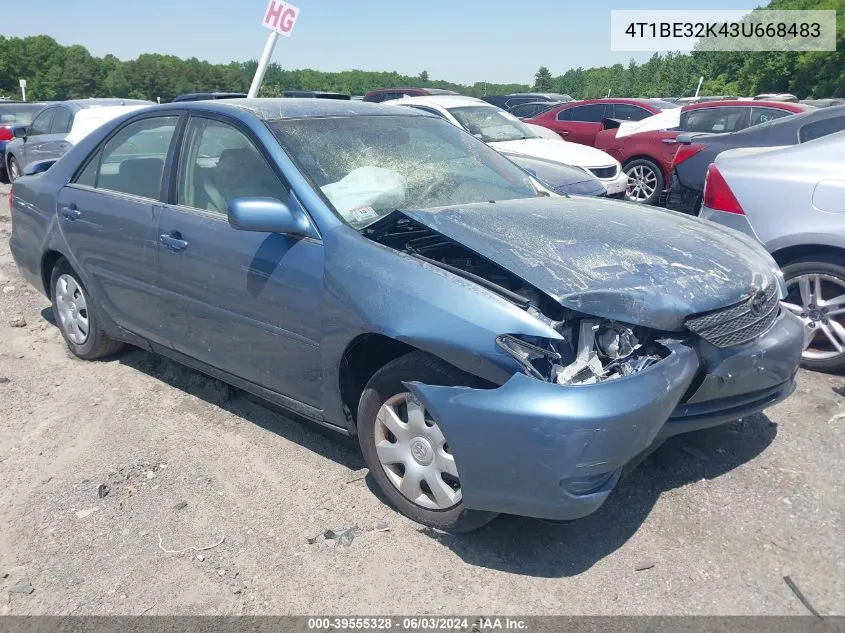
77, 319
14, 169
405, 450
645, 181
816, 293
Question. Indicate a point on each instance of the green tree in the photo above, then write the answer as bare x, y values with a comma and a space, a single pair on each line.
424, 77
543, 80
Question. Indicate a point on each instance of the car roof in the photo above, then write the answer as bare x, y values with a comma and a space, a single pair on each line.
757, 103
282, 108
82, 104
444, 101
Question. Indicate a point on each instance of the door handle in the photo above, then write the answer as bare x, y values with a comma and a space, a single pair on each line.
564, 133
70, 212
173, 241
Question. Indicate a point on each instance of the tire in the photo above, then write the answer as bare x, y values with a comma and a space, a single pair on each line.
821, 353
649, 176
14, 171
385, 387
72, 306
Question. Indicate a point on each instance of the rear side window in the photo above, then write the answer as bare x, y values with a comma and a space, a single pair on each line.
763, 115
41, 124
715, 120
592, 113
132, 161
61, 121
818, 129
628, 112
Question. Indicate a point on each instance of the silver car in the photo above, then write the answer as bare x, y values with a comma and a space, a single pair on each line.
793, 201
44, 138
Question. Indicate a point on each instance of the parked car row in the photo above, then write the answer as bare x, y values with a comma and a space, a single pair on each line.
646, 150
54, 127
386, 273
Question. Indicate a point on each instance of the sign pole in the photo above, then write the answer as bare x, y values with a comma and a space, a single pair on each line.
697, 90
23, 89
263, 63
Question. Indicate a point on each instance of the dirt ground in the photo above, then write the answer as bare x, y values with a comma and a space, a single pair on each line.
709, 524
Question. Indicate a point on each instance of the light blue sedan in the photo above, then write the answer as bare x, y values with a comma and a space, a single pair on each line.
383, 273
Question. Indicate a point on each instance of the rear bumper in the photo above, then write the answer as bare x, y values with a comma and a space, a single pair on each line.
682, 198
536, 449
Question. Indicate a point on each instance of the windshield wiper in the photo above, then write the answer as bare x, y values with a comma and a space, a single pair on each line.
511, 296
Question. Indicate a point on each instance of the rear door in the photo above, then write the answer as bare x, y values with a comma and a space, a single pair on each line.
580, 124
32, 148
53, 145
248, 303
108, 216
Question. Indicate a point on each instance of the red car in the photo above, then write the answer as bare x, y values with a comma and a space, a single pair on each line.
580, 121
647, 156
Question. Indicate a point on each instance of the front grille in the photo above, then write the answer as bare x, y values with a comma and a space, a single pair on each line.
738, 323
604, 172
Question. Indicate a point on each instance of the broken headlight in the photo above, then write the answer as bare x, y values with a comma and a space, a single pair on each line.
536, 355
591, 351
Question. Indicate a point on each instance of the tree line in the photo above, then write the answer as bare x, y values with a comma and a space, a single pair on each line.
56, 72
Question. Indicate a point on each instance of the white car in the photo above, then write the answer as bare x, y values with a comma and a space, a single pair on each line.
506, 133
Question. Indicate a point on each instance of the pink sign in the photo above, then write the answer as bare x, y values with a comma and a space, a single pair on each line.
281, 17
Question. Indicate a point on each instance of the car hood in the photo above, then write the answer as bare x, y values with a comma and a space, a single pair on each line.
558, 151
634, 264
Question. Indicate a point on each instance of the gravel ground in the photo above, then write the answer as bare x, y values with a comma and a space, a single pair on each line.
709, 524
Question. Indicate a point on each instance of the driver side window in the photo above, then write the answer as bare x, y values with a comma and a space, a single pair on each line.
219, 163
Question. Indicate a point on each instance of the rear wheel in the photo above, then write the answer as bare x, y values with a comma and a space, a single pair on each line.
816, 293
645, 181
406, 451
14, 169
76, 316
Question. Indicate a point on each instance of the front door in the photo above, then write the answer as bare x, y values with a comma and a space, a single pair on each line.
109, 218
248, 303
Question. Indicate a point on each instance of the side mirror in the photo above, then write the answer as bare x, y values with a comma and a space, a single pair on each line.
19, 132
268, 215
38, 167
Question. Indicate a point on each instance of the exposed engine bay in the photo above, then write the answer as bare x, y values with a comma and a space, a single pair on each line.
591, 350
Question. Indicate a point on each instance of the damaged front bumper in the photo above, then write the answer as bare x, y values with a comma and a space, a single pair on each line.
534, 448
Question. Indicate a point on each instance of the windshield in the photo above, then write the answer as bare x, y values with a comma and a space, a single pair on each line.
490, 124
368, 166
17, 114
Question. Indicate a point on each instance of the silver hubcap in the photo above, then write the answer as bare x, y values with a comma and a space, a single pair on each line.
73, 310
642, 182
414, 454
15, 170
824, 332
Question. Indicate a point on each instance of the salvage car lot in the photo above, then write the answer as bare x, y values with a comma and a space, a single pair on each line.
708, 524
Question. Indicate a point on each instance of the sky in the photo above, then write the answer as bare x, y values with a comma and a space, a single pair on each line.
462, 41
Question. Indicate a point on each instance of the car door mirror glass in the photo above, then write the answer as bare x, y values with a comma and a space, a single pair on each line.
268, 215
20, 132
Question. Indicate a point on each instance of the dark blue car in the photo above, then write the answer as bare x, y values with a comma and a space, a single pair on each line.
385, 274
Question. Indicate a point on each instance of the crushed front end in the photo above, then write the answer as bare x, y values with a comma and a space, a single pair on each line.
551, 441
